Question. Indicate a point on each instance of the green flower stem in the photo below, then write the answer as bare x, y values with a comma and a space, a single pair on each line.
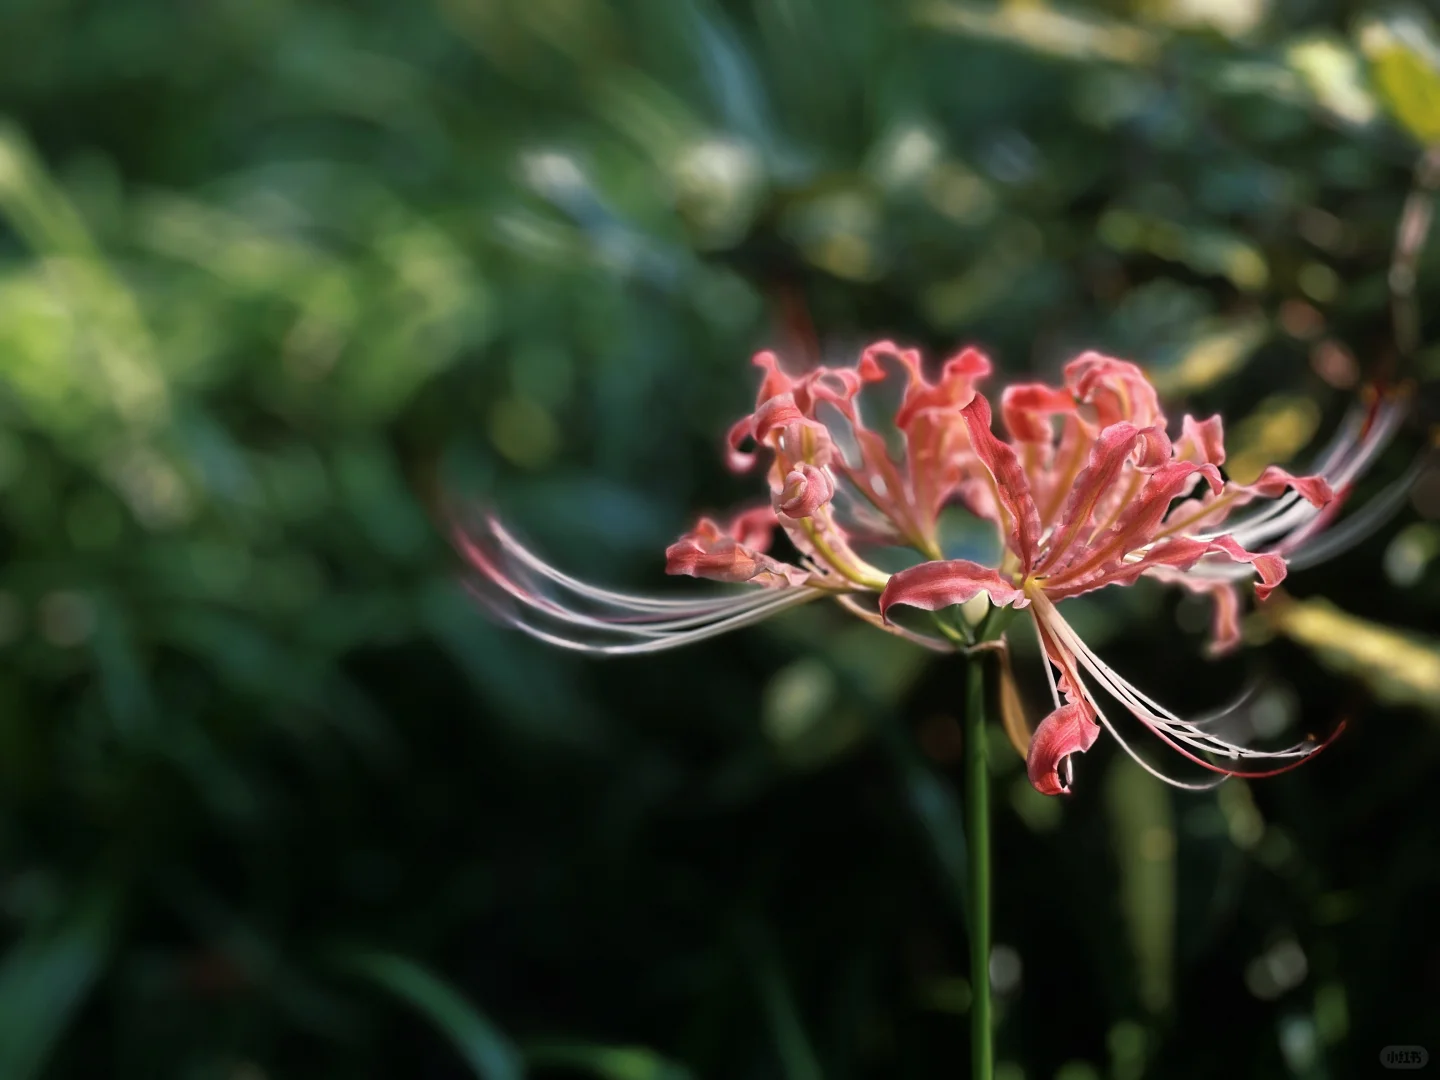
977, 826
977, 829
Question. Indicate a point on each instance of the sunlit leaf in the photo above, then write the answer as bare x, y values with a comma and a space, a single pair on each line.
1074, 35
1212, 357
1332, 73
1399, 666
1404, 54
1233, 18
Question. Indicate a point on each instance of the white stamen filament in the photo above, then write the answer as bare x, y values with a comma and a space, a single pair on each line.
777, 602
1356, 528
641, 623
1160, 720
1340, 468
1045, 659
1188, 785
1156, 714
628, 601
1332, 541
636, 626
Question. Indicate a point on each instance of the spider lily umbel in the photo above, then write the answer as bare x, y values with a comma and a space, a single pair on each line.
1088, 490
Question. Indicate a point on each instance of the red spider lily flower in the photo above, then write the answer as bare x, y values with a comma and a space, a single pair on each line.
1088, 490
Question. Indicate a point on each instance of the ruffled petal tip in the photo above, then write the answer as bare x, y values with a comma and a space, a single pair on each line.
1069, 730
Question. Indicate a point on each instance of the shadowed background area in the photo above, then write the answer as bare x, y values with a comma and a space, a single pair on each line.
280, 282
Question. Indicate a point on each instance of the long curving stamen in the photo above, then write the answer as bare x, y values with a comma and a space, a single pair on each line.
1331, 541
1327, 464
1165, 724
724, 624
1187, 785
1080, 687
511, 585
1149, 711
630, 614
1366, 435
1175, 731
1358, 527
629, 601
1045, 659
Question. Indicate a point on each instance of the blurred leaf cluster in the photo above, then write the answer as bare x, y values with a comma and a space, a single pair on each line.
283, 285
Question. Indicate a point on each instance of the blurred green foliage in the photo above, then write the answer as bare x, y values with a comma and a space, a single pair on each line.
281, 283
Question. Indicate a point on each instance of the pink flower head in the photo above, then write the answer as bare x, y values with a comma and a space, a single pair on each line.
1086, 490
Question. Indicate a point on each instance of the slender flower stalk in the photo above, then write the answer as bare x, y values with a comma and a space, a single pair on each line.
977, 878
1085, 490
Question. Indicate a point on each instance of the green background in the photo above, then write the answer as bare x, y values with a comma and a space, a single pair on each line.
279, 282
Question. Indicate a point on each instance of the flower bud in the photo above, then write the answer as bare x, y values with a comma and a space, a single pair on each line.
807, 488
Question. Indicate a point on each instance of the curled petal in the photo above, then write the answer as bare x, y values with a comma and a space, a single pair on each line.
778, 412
1201, 440
1070, 729
709, 552
1138, 524
754, 528
935, 585
871, 370
1152, 448
805, 440
862, 456
1268, 565
1168, 482
775, 381
1225, 628
807, 488
741, 432
837, 386
1028, 407
1012, 488
1166, 559
953, 391
1176, 553
1274, 482
1115, 448
775, 384
1117, 389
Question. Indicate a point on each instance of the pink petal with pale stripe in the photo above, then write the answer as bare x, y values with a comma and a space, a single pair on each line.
935, 585
1269, 566
1070, 729
1012, 488
1111, 455
709, 552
